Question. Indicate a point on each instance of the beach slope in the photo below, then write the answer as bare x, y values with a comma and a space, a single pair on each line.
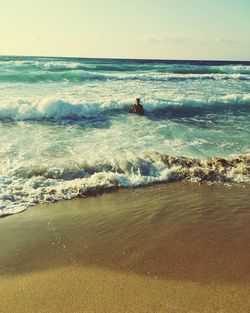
166, 248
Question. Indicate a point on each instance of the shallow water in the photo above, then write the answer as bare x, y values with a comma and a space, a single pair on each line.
180, 232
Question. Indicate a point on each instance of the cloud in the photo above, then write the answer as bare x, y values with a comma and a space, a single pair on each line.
188, 41
219, 41
224, 41
158, 39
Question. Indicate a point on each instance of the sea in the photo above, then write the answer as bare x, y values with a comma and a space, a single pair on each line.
66, 129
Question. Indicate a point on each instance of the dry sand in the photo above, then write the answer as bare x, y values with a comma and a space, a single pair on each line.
167, 248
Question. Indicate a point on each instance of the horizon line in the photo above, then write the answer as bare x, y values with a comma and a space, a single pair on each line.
125, 58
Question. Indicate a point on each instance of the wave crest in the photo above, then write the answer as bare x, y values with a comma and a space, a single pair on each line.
30, 186
80, 75
57, 109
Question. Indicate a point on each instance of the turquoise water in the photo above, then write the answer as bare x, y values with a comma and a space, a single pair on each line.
65, 129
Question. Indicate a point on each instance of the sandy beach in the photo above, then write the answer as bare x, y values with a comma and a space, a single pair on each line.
168, 248
125, 156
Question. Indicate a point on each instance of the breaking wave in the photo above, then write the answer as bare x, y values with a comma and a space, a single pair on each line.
30, 77
58, 109
116, 65
80, 75
35, 70
27, 186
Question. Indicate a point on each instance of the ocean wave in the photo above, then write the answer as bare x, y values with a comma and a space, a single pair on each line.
157, 68
27, 186
35, 77
102, 65
80, 74
64, 66
37, 70
57, 109
175, 77
232, 101
195, 69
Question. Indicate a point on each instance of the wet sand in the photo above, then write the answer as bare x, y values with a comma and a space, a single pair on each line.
166, 248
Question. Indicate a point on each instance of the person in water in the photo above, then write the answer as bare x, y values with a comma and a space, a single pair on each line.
137, 107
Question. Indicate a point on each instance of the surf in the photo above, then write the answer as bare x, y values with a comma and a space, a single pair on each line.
66, 130
45, 184
50, 109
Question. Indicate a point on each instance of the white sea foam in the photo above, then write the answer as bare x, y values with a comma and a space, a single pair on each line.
54, 108
23, 187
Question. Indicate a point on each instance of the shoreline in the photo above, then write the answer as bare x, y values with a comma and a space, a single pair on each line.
177, 247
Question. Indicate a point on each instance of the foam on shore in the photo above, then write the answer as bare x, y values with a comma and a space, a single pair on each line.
28, 186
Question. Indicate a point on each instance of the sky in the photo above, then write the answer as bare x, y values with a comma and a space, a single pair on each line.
151, 29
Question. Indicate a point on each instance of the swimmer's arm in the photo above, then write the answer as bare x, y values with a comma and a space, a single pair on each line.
132, 108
